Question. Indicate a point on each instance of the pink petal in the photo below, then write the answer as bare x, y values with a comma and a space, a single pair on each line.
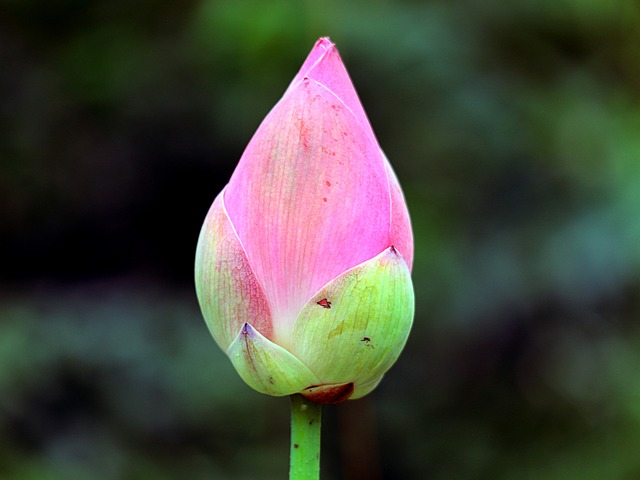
309, 199
325, 66
401, 232
229, 293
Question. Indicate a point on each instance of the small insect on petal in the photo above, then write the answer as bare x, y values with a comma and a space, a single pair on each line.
324, 303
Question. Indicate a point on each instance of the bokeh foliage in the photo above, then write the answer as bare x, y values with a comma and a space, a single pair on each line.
514, 128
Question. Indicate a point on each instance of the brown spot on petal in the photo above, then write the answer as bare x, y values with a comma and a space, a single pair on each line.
328, 183
324, 303
329, 394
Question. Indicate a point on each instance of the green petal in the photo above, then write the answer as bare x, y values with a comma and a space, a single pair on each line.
228, 291
365, 388
355, 327
267, 367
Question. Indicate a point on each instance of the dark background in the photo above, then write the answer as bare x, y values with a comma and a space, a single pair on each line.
514, 128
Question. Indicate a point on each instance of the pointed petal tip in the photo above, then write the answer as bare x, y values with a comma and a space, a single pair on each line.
246, 329
325, 42
394, 253
247, 334
266, 366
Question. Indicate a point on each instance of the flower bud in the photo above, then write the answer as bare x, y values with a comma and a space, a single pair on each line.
303, 262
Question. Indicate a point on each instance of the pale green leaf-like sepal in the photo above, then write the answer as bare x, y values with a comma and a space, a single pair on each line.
267, 367
356, 326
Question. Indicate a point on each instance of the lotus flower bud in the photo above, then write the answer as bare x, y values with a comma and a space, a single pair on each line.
303, 262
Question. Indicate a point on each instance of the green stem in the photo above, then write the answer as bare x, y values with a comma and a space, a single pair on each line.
306, 419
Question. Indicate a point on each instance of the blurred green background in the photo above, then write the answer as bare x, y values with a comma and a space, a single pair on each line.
514, 128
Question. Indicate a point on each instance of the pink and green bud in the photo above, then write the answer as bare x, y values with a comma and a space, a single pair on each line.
303, 262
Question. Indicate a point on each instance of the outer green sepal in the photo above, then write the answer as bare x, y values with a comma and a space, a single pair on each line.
355, 327
267, 367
